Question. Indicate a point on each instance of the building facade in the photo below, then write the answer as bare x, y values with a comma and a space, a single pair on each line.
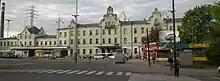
107, 35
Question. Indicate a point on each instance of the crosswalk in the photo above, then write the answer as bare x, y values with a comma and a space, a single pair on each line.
69, 72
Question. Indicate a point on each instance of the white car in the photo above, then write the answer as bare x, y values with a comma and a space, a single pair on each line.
218, 69
98, 57
112, 57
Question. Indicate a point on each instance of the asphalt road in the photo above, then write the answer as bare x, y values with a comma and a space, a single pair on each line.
66, 70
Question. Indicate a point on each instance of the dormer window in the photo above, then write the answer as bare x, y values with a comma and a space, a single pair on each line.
25, 32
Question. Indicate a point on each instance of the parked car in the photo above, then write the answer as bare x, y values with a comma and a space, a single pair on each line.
98, 57
218, 69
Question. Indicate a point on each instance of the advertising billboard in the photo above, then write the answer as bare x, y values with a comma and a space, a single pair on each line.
163, 35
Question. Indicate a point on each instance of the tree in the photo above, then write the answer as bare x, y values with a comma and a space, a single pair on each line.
154, 34
196, 24
213, 52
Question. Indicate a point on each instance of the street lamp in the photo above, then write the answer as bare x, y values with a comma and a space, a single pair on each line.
176, 73
76, 32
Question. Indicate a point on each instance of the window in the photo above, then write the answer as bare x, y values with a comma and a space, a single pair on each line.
125, 40
25, 37
25, 43
115, 40
0, 43
109, 40
78, 41
97, 41
50, 42
135, 30
90, 32
96, 32
90, 51
64, 41
8, 43
135, 50
109, 31
103, 41
60, 41
54, 42
30, 43
135, 39
115, 31
64, 34
78, 33
20, 37
37, 43
84, 32
96, 50
103, 31
71, 41
84, 41
125, 30
78, 51
71, 33
41, 42
60, 34
15, 42
45, 42
90, 41
142, 30
84, 51
171, 28
11, 42
178, 27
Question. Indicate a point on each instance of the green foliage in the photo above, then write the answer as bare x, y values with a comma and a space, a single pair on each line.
213, 52
196, 24
154, 34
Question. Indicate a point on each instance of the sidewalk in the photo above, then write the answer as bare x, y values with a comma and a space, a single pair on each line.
159, 77
139, 66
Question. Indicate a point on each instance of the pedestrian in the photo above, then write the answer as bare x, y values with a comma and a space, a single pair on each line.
170, 60
154, 58
145, 53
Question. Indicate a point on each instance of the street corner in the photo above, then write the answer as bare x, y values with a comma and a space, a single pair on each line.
159, 77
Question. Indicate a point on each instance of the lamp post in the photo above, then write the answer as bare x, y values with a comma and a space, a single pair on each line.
76, 33
176, 73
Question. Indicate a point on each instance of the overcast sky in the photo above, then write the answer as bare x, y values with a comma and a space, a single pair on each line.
90, 11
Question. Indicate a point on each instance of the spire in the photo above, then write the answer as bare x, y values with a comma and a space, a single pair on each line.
110, 10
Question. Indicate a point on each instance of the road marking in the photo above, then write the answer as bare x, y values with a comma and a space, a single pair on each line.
45, 71
217, 78
119, 73
54, 71
35, 70
81, 72
128, 74
73, 72
99, 73
64, 71
109, 73
90, 72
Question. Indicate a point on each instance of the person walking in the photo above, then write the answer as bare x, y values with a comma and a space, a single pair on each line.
154, 58
170, 60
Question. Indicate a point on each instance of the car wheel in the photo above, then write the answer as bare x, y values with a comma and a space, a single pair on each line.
219, 71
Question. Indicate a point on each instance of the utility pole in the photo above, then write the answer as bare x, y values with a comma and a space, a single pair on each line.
121, 35
148, 49
59, 21
76, 33
132, 39
176, 69
8, 20
33, 14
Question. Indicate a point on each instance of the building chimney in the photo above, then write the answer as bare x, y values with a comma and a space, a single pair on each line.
2, 21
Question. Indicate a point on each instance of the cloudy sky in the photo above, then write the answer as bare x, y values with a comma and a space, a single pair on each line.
90, 11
